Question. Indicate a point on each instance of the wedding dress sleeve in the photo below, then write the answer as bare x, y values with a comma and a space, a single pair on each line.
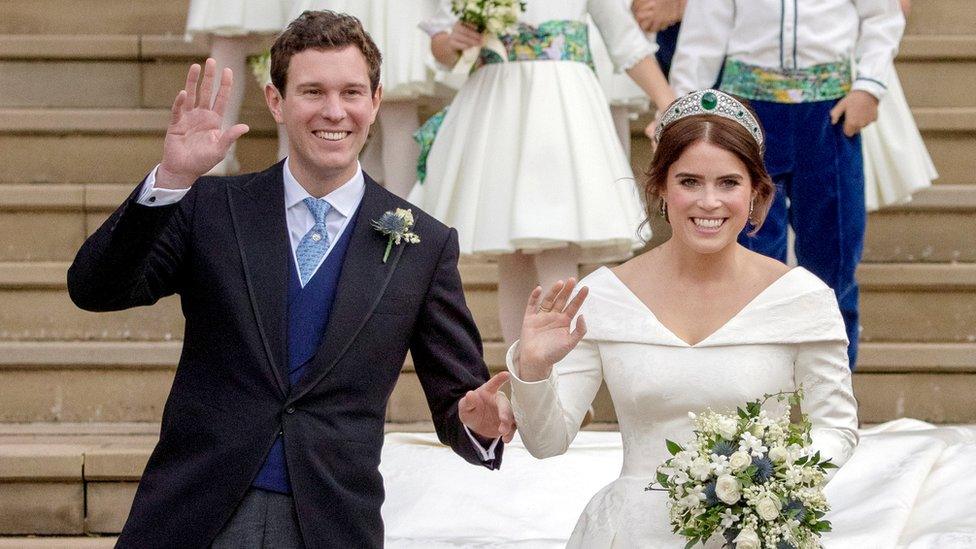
828, 399
626, 42
549, 412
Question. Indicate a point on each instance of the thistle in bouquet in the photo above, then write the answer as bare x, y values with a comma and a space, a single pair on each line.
492, 18
750, 477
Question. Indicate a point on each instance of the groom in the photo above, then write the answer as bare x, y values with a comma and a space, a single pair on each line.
297, 322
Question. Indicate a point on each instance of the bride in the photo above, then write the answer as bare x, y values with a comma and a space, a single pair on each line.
698, 322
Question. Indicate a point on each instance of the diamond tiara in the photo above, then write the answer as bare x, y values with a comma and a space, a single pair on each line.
714, 102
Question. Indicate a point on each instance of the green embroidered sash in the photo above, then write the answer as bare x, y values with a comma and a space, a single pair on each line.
550, 41
817, 83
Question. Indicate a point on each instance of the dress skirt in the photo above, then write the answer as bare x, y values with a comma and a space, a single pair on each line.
896, 162
527, 159
236, 17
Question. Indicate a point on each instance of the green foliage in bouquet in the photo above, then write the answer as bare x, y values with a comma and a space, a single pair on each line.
749, 477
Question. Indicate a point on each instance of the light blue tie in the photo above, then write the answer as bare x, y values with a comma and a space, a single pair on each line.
315, 242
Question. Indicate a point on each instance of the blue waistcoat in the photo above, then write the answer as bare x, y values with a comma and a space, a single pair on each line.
308, 317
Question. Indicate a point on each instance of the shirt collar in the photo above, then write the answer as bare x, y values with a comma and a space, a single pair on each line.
344, 200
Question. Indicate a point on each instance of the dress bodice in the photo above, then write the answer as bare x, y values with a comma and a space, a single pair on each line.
791, 334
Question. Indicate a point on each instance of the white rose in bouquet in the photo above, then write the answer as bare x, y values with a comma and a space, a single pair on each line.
739, 461
700, 469
779, 454
747, 539
768, 508
728, 489
727, 427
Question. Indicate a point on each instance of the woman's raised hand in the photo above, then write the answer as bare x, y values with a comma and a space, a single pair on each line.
546, 336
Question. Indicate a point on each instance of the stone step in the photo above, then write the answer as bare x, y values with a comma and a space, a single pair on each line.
941, 299
919, 231
49, 222
120, 382
34, 305
942, 17
88, 17
148, 17
146, 71
57, 542
72, 479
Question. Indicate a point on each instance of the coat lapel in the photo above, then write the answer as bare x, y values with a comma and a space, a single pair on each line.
258, 212
362, 282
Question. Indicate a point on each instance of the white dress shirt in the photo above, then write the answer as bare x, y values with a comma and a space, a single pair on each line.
344, 200
786, 35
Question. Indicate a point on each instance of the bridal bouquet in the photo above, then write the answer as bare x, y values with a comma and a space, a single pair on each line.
750, 477
489, 17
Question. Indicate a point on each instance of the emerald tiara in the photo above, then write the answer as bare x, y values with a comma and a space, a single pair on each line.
714, 102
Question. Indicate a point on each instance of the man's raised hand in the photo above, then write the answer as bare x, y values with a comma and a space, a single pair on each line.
486, 410
195, 141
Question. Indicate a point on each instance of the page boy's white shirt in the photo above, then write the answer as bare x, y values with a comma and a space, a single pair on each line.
787, 35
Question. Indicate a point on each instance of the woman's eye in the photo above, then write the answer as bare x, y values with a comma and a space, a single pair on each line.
730, 182
688, 182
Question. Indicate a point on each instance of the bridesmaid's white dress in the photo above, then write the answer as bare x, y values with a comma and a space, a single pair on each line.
896, 162
236, 17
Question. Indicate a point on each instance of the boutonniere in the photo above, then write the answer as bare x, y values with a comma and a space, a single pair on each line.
396, 225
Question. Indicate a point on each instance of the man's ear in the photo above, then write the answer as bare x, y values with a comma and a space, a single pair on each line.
377, 99
273, 98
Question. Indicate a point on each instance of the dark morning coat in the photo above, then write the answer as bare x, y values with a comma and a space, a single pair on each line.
224, 249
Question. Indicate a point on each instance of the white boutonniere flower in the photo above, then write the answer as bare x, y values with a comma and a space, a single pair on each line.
397, 226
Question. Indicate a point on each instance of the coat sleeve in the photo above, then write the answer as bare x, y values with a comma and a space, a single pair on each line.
447, 353
134, 258
549, 412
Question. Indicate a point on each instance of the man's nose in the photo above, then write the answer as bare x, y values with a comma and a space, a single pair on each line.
332, 109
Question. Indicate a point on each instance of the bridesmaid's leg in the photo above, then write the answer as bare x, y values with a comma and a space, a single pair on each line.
621, 121
399, 120
516, 280
231, 51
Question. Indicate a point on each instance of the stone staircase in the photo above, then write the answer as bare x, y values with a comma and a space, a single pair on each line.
85, 88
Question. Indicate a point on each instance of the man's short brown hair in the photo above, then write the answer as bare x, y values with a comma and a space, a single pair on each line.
322, 30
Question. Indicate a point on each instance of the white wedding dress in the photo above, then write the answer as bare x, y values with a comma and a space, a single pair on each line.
791, 334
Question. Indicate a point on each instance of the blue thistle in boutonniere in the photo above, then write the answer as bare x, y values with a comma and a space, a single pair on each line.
396, 225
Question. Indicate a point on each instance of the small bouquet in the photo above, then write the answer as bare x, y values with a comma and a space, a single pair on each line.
750, 477
489, 17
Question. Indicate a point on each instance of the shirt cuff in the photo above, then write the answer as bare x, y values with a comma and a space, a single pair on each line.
486, 454
876, 88
153, 197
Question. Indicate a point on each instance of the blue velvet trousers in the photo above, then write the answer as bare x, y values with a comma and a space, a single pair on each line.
819, 176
